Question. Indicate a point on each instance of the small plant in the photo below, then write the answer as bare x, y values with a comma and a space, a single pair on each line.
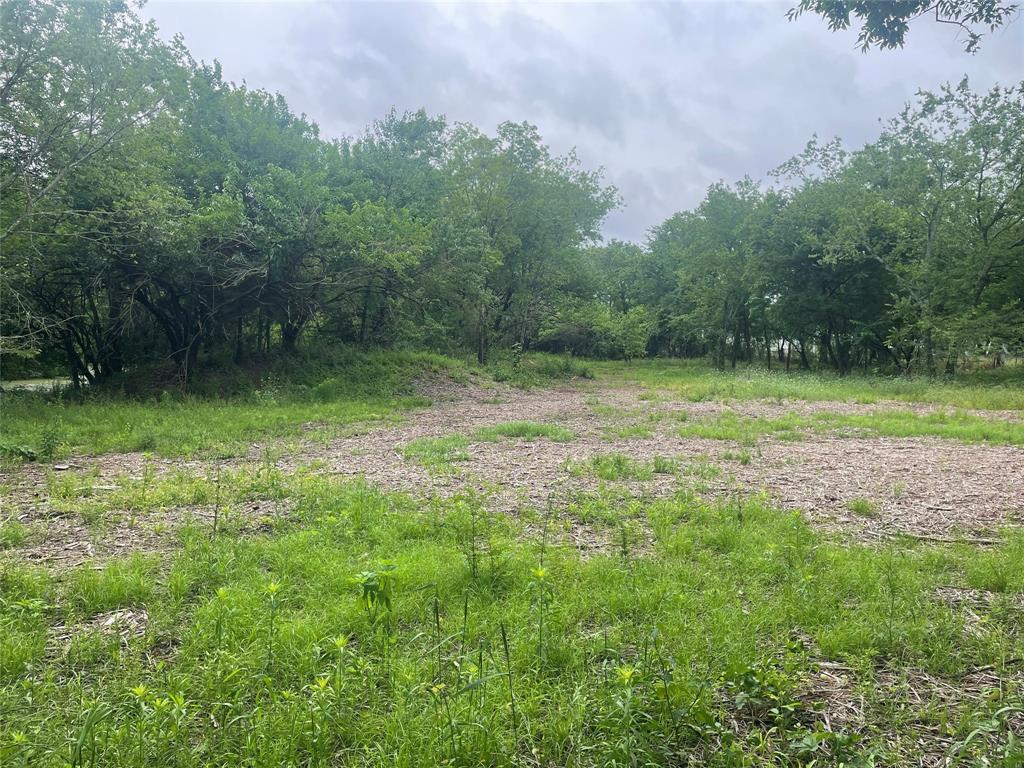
12, 533
508, 672
743, 456
862, 507
51, 440
763, 692
471, 520
628, 431
891, 588
702, 469
625, 704
615, 466
222, 613
437, 453
662, 465
145, 443
525, 430
271, 591
84, 749
19, 452
376, 588
541, 587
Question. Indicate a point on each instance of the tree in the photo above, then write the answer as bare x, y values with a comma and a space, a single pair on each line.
954, 164
711, 248
77, 81
885, 23
536, 211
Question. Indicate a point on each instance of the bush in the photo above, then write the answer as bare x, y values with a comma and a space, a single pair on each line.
592, 329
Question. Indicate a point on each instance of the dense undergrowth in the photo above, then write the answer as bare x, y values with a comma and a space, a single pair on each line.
363, 628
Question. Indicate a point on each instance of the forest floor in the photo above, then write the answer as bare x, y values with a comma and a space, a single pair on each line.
873, 544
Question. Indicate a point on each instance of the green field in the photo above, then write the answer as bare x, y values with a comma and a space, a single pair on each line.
344, 624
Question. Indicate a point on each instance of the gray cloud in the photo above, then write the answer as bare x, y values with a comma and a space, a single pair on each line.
667, 97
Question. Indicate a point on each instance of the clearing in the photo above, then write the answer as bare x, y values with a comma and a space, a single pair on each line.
586, 572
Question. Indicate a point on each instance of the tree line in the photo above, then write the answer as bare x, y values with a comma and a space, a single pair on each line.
151, 210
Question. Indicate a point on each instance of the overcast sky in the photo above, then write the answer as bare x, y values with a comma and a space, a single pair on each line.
668, 98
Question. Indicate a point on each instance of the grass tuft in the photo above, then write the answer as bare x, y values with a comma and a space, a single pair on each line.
525, 430
437, 453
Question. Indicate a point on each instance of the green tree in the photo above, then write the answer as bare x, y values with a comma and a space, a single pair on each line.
885, 23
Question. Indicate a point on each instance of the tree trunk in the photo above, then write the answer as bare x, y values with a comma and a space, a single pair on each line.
290, 333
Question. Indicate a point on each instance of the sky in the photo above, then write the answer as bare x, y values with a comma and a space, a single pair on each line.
667, 98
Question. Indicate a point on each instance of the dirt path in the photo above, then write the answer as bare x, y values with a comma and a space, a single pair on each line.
869, 487
924, 486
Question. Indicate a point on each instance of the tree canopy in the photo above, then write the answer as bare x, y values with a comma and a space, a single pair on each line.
886, 23
152, 211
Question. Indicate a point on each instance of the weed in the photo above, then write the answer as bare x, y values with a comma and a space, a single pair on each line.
13, 533
437, 453
679, 652
376, 589
628, 432
743, 457
613, 466
525, 430
662, 465
863, 507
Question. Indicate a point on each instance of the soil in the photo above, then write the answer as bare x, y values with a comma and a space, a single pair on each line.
925, 487
928, 487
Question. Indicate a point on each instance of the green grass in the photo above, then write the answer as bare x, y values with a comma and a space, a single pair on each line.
72, 491
538, 369
353, 388
628, 432
694, 380
13, 533
863, 507
119, 584
189, 427
958, 425
369, 629
614, 466
353, 627
328, 398
437, 453
525, 430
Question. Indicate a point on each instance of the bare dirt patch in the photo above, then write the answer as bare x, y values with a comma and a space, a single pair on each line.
869, 486
125, 624
912, 707
920, 486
